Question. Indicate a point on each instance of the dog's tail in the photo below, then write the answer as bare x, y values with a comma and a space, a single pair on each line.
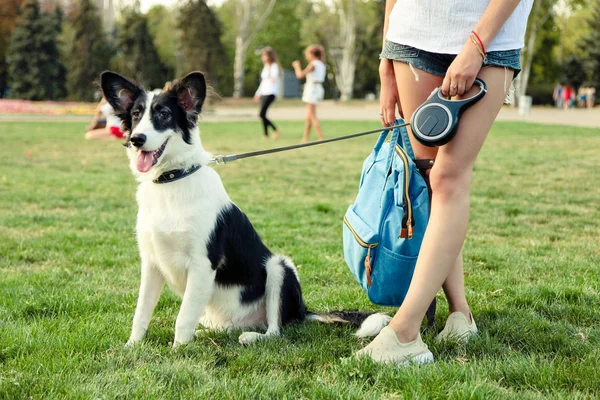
368, 324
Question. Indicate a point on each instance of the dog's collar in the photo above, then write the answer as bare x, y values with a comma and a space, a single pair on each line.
176, 174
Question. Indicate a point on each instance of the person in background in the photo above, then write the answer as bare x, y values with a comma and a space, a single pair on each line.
268, 88
567, 94
591, 97
581, 96
112, 129
557, 95
313, 89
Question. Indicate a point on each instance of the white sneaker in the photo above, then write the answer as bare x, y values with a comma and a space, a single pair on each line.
458, 328
386, 348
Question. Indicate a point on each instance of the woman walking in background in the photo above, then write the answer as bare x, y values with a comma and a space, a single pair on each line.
313, 88
268, 88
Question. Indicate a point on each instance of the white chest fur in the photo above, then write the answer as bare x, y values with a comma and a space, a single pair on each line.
175, 221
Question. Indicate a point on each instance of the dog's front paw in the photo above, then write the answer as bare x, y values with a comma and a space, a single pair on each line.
131, 342
247, 338
182, 338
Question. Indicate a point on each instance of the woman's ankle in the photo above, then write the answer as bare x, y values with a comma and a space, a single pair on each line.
403, 334
463, 309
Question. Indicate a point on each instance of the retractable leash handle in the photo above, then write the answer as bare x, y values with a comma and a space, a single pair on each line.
435, 122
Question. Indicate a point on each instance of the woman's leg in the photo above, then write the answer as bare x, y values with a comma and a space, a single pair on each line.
450, 182
315, 121
102, 133
307, 123
266, 101
415, 94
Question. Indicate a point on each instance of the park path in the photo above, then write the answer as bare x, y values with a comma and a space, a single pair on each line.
354, 111
370, 111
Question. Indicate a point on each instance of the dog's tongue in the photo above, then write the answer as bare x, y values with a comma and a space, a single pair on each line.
144, 161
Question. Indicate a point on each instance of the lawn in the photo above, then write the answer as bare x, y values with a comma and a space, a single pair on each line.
70, 272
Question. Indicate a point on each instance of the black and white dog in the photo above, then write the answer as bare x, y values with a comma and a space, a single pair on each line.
191, 235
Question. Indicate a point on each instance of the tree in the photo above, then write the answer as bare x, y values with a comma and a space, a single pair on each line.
201, 45
367, 81
591, 43
542, 11
337, 24
284, 41
138, 56
57, 73
574, 71
162, 25
90, 51
34, 67
9, 11
250, 15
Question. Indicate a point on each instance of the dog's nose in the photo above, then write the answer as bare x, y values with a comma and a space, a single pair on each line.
138, 140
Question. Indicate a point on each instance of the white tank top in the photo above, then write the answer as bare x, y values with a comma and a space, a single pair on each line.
111, 119
318, 74
443, 26
269, 84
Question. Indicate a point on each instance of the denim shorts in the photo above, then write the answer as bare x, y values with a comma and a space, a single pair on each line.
438, 64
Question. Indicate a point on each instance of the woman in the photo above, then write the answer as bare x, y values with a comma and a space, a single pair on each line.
267, 91
445, 43
112, 129
313, 88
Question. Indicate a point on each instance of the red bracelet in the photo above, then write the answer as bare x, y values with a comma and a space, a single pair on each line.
480, 42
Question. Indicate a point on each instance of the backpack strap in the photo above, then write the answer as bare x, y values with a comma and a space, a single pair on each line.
405, 139
383, 136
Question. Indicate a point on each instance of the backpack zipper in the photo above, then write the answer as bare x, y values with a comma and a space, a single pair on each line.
408, 231
365, 245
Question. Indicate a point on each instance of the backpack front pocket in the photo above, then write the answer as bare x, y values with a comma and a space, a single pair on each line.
391, 278
360, 244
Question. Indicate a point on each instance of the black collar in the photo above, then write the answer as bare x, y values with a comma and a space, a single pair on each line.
176, 174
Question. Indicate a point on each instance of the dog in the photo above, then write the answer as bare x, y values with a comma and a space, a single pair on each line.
190, 234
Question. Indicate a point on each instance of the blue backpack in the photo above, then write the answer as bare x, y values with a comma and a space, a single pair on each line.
384, 228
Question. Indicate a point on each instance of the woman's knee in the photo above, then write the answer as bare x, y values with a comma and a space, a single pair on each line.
448, 183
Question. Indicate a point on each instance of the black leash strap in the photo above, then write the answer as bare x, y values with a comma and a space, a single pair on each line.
233, 157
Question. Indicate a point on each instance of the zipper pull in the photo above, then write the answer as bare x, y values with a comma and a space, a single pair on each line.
410, 228
368, 267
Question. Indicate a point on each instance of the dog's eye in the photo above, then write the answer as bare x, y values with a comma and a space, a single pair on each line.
164, 114
135, 114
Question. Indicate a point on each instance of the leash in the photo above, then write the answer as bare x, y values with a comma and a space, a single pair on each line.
434, 123
233, 157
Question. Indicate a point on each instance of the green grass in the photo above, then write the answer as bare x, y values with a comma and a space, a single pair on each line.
70, 274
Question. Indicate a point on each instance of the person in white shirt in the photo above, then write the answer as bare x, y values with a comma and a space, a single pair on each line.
313, 88
112, 129
268, 88
447, 44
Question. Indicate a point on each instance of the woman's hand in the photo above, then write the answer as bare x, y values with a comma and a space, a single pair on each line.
256, 98
462, 72
296, 64
389, 100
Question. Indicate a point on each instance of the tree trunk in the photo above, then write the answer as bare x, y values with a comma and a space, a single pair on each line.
345, 61
522, 80
238, 67
243, 39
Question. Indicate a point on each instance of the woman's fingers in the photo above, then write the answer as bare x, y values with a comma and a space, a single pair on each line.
446, 85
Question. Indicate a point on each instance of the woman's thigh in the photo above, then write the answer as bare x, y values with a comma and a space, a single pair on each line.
459, 155
475, 123
412, 94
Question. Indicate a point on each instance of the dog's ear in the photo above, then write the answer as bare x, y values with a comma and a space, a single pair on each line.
119, 92
190, 92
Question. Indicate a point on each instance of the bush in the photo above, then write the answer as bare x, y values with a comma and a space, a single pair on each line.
541, 93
